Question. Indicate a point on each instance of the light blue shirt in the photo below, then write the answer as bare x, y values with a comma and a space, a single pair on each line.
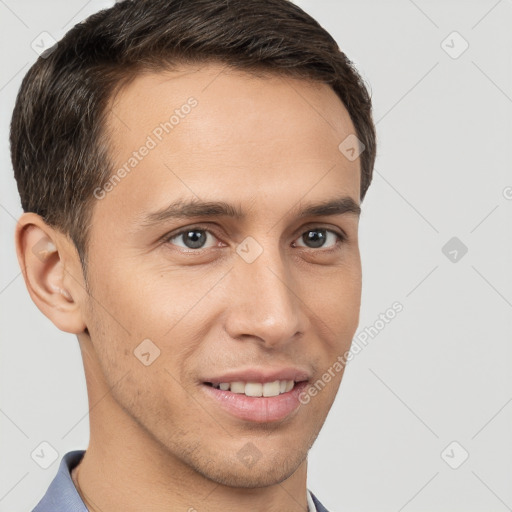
62, 495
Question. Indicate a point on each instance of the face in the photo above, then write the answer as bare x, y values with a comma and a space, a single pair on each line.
191, 313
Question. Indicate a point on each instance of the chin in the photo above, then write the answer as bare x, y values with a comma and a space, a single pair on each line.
250, 478
267, 471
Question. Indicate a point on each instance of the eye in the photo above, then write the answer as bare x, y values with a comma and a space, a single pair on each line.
316, 238
192, 238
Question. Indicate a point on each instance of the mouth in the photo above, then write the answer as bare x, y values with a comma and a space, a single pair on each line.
258, 400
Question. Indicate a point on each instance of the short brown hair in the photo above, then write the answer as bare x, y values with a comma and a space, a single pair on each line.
59, 147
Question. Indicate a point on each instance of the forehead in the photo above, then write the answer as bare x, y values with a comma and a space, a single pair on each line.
216, 133
231, 99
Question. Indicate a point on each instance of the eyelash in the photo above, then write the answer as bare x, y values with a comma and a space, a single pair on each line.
341, 238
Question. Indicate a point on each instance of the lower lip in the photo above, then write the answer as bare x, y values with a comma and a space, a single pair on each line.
258, 409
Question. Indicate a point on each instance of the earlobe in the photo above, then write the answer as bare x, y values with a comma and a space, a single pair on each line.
44, 258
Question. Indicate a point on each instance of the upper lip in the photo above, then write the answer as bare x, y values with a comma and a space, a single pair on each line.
261, 375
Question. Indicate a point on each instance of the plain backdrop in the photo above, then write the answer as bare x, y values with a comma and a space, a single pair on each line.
423, 418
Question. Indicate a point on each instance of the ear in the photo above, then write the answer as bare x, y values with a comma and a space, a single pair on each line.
52, 272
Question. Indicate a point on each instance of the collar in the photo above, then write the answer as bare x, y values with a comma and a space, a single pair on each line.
62, 495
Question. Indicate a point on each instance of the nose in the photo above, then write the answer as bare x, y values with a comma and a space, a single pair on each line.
265, 302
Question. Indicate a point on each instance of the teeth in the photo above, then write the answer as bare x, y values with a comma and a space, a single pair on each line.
272, 388
237, 387
254, 389
257, 389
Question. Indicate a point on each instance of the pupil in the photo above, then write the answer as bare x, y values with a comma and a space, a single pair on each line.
192, 241
316, 240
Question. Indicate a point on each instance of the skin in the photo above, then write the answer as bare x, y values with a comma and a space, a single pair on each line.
267, 145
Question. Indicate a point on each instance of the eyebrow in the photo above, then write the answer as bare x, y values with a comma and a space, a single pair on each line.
183, 209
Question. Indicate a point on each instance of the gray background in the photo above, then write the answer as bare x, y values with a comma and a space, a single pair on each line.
439, 372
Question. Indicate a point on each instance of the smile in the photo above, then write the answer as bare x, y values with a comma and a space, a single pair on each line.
255, 389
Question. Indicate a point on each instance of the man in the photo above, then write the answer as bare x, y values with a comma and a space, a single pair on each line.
191, 175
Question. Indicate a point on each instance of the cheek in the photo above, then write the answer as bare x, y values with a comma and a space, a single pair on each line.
334, 301
133, 304
120, 319
146, 325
